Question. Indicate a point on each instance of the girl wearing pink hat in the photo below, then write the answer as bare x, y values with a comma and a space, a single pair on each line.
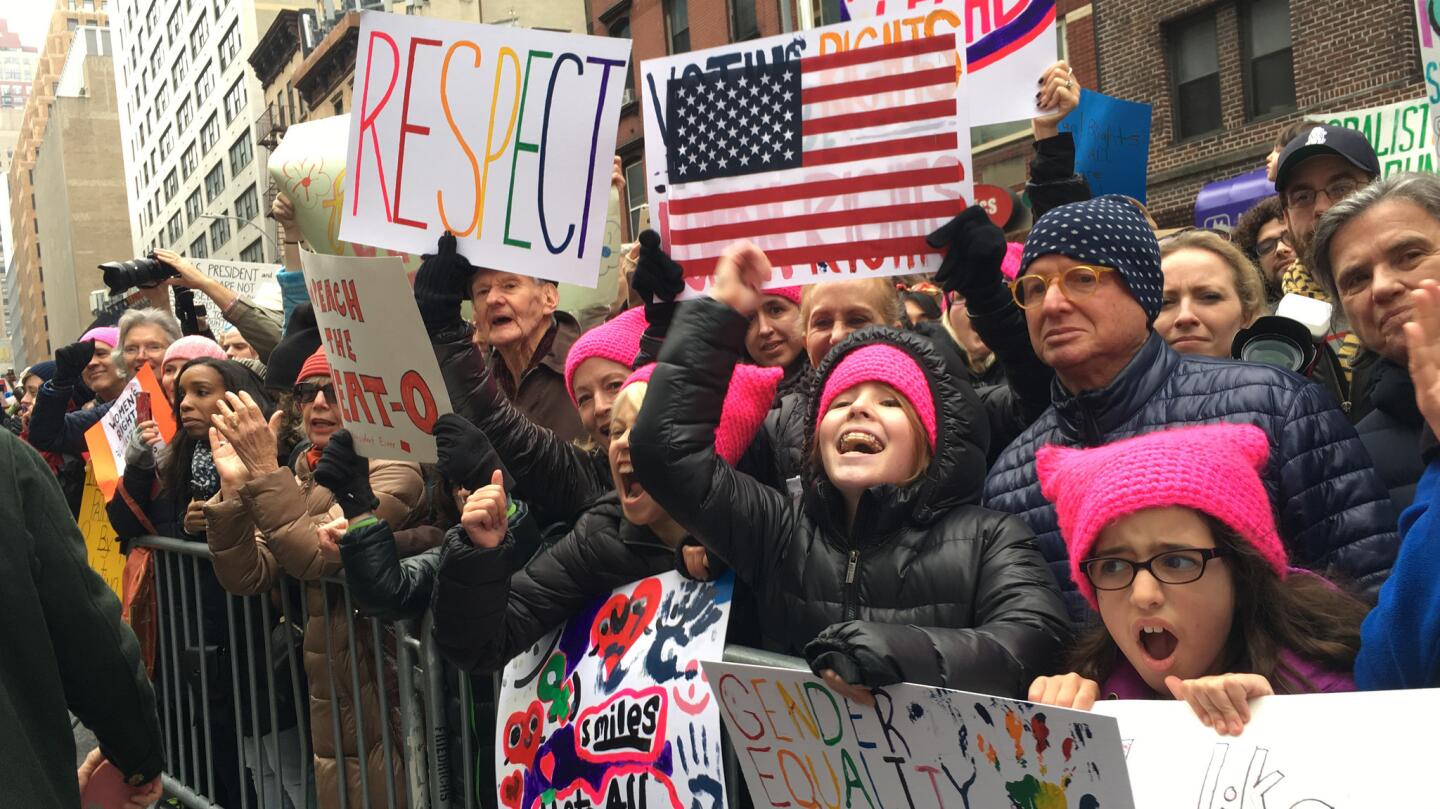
885, 571
1172, 539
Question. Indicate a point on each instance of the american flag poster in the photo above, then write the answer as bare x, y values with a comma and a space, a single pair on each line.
836, 162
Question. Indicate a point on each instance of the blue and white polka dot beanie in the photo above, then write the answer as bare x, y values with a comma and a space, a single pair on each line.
1108, 231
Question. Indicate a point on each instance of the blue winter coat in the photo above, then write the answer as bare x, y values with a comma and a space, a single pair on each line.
56, 428
1334, 512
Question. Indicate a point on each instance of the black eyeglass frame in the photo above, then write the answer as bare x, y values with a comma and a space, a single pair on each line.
1206, 554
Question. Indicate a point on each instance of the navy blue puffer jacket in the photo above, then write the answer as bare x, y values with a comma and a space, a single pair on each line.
1334, 513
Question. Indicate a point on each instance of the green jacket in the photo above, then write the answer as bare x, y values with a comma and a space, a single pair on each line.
62, 645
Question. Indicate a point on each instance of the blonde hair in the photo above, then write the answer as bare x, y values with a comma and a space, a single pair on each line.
922, 456
878, 292
1243, 273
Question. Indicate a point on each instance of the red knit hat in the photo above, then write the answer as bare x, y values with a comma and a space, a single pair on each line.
747, 401
315, 365
887, 364
1213, 468
791, 294
617, 340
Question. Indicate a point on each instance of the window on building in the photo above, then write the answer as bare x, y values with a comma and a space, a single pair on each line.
247, 205
173, 26
172, 231
193, 207
177, 70
215, 182
197, 35
189, 161
677, 25
185, 114
827, 12
1267, 62
219, 232
162, 97
198, 248
235, 100
743, 24
167, 143
240, 153
230, 45
71, 24
635, 194
209, 133
172, 185
155, 60
1194, 75
621, 30
255, 251
205, 83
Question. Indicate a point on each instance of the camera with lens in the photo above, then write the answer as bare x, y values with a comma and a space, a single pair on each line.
1287, 338
137, 272
190, 312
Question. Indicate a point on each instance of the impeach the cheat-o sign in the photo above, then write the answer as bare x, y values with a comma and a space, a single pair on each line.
503, 136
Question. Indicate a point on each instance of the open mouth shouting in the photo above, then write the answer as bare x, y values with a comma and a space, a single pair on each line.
1158, 644
859, 442
630, 491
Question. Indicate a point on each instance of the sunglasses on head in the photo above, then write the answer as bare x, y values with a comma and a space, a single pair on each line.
305, 392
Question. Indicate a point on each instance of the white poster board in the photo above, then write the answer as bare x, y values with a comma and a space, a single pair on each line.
1007, 46
1310, 751
918, 748
836, 160
245, 278
612, 708
1400, 133
387, 383
504, 136
1428, 27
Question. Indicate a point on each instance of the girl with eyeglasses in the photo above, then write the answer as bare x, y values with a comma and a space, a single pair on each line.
1173, 541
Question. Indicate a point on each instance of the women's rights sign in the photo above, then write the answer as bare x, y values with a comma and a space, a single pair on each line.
801, 744
503, 136
388, 386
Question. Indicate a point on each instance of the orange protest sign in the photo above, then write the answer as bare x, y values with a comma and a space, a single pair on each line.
106, 440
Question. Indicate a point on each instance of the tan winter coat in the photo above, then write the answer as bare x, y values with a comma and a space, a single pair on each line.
273, 527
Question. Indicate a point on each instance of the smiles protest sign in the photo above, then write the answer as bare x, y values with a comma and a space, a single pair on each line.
503, 136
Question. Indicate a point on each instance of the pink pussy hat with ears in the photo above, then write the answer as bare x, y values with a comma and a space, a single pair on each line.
1213, 468
109, 335
617, 340
886, 364
747, 402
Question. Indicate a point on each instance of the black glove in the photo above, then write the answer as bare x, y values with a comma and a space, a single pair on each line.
852, 650
441, 284
974, 250
346, 474
658, 279
71, 360
466, 457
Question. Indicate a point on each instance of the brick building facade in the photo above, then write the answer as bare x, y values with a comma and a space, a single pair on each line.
1346, 54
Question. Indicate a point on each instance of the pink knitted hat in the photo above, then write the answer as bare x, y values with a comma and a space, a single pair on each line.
747, 401
878, 362
109, 335
617, 340
1213, 468
193, 347
791, 294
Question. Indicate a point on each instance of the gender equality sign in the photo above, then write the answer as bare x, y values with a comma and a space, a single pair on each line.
1305, 751
835, 159
387, 383
107, 438
1007, 44
613, 710
802, 744
503, 136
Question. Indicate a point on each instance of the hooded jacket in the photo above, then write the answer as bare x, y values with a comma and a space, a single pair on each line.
926, 587
1334, 514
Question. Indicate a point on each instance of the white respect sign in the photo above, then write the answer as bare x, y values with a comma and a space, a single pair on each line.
503, 136
387, 383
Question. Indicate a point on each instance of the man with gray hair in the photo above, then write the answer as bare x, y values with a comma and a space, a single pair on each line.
1371, 250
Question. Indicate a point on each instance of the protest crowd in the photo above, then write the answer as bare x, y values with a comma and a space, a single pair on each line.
1039, 472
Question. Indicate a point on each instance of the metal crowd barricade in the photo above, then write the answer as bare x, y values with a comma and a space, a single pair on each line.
439, 740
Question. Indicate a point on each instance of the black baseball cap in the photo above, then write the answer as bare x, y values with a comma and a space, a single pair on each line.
1343, 142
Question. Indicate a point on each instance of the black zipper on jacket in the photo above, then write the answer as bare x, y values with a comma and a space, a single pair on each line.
852, 569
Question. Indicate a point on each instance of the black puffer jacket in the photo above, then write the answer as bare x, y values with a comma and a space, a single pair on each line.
1334, 513
484, 615
1391, 432
925, 588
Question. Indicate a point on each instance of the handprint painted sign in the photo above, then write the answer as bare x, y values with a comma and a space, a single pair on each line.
612, 709
802, 744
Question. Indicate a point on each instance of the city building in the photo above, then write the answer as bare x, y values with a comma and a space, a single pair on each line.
17, 68
27, 314
1225, 77
14, 339
79, 190
187, 109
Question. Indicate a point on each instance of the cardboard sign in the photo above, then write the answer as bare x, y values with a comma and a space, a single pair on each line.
836, 160
1400, 133
920, 747
388, 386
504, 136
1006, 45
1286, 757
612, 709
1427, 22
102, 544
106, 439
254, 280
1112, 143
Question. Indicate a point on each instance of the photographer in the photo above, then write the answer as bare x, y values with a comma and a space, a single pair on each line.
87, 380
259, 326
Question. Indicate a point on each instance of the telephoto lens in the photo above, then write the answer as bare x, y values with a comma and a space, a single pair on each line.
1276, 340
137, 272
